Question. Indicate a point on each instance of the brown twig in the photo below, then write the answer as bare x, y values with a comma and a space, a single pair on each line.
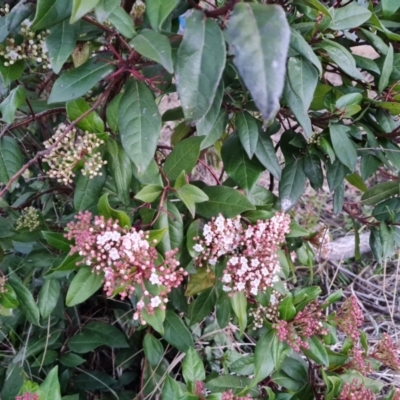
217, 12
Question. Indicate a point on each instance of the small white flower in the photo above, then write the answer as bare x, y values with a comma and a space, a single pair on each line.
240, 286
127, 243
226, 288
255, 262
155, 301
113, 254
115, 236
198, 248
212, 261
273, 300
226, 278
154, 279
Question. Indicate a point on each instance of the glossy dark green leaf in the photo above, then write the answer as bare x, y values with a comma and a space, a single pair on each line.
203, 305
149, 193
356, 180
88, 191
104, 209
176, 333
313, 170
380, 192
338, 199
183, 157
48, 297
120, 168
199, 65
84, 342
292, 184
122, 22
10, 158
261, 63
192, 367
11, 103
139, 123
71, 360
260, 196
81, 8
153, 349
109, 334
239, 307
223, 311
155, 320
389, 7
224, 383
60, 43
8, 298
51, 12
247, 128
77, 82
27, 303
190, 195
238, 166
316, 351
104, 8
287, 310
158, 11
387, 70
349, 16
388, 210
12, 72
154, 46
91, 123
112, 112
84, 284
171, 389
335, 174
56, 240
225, 200
50, 387
20, 12
265, 152
342, 145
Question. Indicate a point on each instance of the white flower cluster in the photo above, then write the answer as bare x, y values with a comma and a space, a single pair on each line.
71, 150
29, 219
32, 47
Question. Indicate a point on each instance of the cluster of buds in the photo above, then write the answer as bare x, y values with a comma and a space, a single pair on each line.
314, 139
5, 10
252, 261
32, 47
355, 391
270, 312
349, 318
358, 362
71, 150
387, 353
29, 219
138, 9
128, 261
3, 281
307, 323
28, 396
230, 396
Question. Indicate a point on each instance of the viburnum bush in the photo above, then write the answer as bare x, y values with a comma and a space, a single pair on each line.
151, 251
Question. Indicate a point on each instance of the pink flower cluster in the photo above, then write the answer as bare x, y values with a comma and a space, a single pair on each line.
252, 264
28, 396
349, 318
355, 391
307, 323
358, 362
230, 396
127, 259
387, 353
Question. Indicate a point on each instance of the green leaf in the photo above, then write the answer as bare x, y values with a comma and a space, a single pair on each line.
228, 382
192, 367
342, 58
176, 333
238, 166
81, 8
60, 43
11, 103
199, 65
8, 298
107, 212
261, 63
389, 7
139, 124
292, 184
84, 342
335, 174
239, 307
356, 180
349, 16
316, 351
84, 284
10, 158
300, 45
225, 200
388, 210
88, 191
380, 192
122, 22
247, 128
57, 240
50, 387
12, 72
223, 311
158, 11
154, 46
50, 12
183, 157
317, 5
171, 389
120, 168
71, 360
68, 264
260, 196
199, 281
266, 154
190, 195
110, 335
203, 305
265, 356
387, 70
287, 310
91, 123
112, 112
313, 170
149, 193
104, 8
77, 82
342, 145
26, 301
153, 349
48, 297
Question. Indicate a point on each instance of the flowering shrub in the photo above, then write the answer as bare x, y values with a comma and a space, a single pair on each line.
152, 156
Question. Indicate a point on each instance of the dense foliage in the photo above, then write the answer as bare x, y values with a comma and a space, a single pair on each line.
139, 264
